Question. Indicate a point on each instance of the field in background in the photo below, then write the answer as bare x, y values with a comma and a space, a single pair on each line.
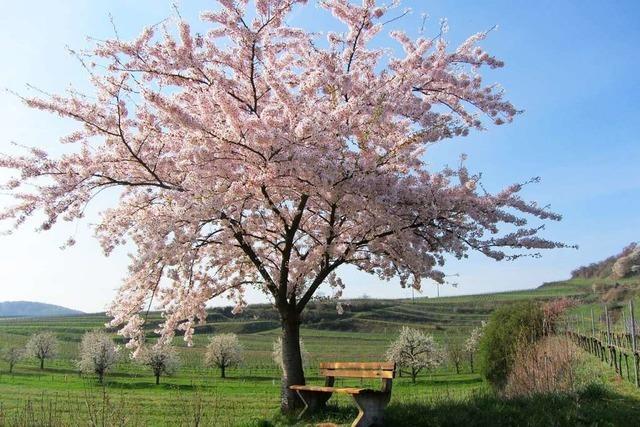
251, 393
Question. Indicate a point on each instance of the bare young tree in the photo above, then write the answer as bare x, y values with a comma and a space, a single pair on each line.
12, 355
163, 360
276, 354
223, 351
455, 352
98, 354
42, 346
414, 351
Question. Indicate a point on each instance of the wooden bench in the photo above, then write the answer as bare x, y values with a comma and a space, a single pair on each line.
371, 403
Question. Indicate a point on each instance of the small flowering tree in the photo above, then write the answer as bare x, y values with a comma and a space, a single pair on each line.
161, 359
414, 351
12, 355
42, 346
472, 343
259, 155
223, 351
98, 354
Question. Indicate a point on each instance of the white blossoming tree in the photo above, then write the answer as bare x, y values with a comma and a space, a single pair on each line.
98, 354
12, 355
473, 342
42, 346
161, 359
414, 351
224, 351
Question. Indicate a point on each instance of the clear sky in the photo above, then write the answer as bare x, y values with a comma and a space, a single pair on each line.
572, 65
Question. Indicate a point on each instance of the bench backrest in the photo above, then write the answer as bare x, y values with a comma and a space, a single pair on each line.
384, 370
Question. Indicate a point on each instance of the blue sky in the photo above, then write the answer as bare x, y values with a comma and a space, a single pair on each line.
571, 65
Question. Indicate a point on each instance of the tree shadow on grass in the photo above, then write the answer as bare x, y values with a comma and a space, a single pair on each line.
593, 406
150, 385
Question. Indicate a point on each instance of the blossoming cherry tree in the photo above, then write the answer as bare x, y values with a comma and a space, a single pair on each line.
264, 155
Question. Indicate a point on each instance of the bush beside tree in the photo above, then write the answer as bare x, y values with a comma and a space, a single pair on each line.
509, 328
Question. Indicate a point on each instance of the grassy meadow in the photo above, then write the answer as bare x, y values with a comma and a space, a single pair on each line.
60, 396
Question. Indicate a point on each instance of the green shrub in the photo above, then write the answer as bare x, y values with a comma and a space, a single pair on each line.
509, 327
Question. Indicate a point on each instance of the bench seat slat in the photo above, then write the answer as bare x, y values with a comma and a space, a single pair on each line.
355, 373
389, 366
347, 390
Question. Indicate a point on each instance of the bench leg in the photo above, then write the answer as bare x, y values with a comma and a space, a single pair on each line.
371, 406
313, 401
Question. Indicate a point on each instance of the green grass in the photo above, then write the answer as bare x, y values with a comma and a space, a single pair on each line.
249, 393
250, 396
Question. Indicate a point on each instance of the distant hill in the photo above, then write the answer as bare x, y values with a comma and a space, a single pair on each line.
33, 309
623, 265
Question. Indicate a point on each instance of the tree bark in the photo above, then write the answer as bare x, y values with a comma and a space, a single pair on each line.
471, 361
222, 373
41, 364
157, 379
292, 370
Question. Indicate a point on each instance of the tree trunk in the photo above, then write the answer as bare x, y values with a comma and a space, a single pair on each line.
222, 373
157, 379
10, 368
292, 372
471, 361
42, 363
414, 374
457, 367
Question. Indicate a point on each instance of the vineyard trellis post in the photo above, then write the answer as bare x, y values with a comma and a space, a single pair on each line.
606, 319
633, 342
625, 328
610, 345
594, 345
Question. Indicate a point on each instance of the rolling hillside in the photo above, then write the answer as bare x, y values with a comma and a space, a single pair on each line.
451, 315
445, 315
33, 309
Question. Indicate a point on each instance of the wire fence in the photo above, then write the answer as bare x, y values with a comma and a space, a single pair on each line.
613, 341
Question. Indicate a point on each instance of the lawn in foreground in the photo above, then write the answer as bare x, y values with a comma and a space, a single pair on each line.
238, 400
250, 397
250, 393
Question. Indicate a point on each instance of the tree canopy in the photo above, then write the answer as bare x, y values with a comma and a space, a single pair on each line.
261, 154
